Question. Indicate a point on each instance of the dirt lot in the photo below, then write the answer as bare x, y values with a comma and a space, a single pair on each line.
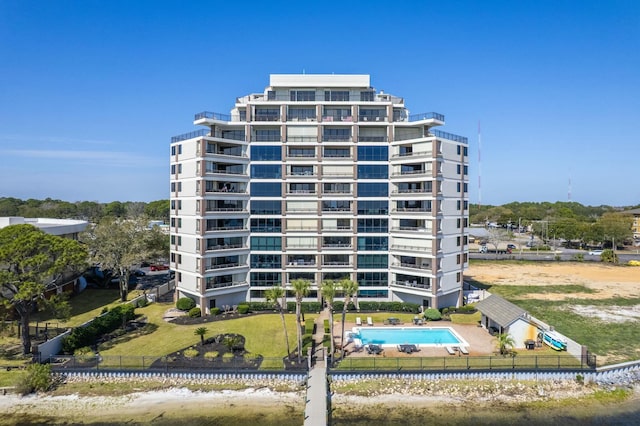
608, 281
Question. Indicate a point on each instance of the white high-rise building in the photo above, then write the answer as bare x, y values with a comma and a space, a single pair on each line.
319, 177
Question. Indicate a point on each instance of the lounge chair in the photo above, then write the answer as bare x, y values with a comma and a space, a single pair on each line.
450, 350
358, 321
463, 350
369, 321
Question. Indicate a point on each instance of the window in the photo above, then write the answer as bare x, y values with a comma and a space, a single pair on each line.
267, 114
373, 171
302, 188
176, 149
458, 204
266, 153
302, 95
266, 207
458, 259
337, 153
373, 225
373, 189
373, 243
265, 225
266, 243
336, 205
265, 279
373, 261
373, 207
266, 189
458, 241
267, 135
337, 135
367, 96
266, 171
336, 95
458, 186
373, 279
301, 114
266, 261
373, 153
302, 152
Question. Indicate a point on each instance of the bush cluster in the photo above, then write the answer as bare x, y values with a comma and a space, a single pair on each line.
389, 306
185, 304
195, 312
306, 307
243, 308
432, 314
87, 336
214, 311
37, 379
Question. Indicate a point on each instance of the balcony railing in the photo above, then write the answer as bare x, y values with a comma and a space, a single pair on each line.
409, 191
302, 139
336, 245
301, 191
267, 138
337, 263
266, 117
225, 228
226, 172
224, 265
412, 284
412, 209
301, 173
336, 209
450, 136
410, 228
337, 228
195, 134
227, 191
379, 118
413, 154
226, 209
372, 138
213, 116
227, 284
302, 262
426, 116
225, 247
301, 155
298, 118
336, 138
411, 265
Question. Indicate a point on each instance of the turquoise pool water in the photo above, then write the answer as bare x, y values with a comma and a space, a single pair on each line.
423, 336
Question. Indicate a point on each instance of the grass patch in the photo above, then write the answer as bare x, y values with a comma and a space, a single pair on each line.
167, 337
518, 291
473, 318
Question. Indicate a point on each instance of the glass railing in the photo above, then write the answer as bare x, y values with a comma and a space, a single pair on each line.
190, 135
213, 116
426, 116
450, 136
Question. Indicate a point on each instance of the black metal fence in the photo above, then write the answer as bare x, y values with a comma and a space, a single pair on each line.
173, 363
464, 363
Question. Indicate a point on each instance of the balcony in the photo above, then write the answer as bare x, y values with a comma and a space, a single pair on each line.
427, 116
336, 245
225, 209
410, 191
450, 136
411, 265
336, 138
411, 209
212, 116
225, 228
412, 284
223, 265
266, 117
301, 191
412, 154
374, 118
190, 135
225, 247
372, 138
212, 286
302, 263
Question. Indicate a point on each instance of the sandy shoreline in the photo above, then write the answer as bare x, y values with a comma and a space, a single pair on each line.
265, 406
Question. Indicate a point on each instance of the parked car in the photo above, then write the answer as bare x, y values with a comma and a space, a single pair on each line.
159, 267
511, 246
596, 252
139, 273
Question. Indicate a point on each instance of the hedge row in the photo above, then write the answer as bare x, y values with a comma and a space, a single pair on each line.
87, 336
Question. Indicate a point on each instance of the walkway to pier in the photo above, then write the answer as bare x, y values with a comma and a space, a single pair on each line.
316, 407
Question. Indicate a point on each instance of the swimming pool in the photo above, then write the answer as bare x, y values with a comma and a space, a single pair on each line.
422, 336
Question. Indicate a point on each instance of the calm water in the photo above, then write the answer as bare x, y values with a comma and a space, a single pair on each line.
423, 336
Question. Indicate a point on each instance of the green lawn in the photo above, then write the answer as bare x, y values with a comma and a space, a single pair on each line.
263, 333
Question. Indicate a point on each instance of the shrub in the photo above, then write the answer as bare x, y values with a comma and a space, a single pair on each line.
211, 354
634, 263
107, 323
37, 379
191, 353
243, 309
214, 311
326, 326
578, 257
195, 312
227, 356
432, 314
609, 256
142, 302
185, 303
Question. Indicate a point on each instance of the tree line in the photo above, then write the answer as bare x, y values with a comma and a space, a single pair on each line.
91, 211
570, 221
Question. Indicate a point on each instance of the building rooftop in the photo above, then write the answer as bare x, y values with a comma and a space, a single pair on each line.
319, 80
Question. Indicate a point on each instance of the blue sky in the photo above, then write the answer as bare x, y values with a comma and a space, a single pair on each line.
92, 91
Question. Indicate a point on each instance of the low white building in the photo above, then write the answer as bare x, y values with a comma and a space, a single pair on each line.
68, 228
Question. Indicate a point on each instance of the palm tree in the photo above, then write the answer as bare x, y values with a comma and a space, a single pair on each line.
301, 289
276, 295
505, 343
328, 291
200, 331
350, 290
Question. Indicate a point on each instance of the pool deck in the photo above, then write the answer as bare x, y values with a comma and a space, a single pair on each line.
479, 340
